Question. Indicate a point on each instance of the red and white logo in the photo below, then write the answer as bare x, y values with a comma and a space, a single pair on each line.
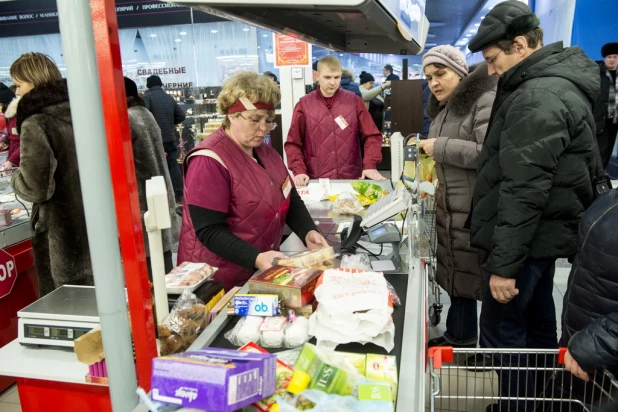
8, 273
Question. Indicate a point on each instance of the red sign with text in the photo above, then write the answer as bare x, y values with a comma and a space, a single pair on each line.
290, 51
8, 273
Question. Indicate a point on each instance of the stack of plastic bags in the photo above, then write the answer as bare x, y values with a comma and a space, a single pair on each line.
354, 306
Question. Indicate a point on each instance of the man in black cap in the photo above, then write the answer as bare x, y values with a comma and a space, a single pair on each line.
606, 109
534, 181
168, 114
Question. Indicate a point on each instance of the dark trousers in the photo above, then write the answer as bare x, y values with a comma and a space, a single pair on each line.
607, 140
462, 321
527, 321
172, 165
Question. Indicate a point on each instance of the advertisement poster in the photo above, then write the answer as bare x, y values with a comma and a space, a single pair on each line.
290, 51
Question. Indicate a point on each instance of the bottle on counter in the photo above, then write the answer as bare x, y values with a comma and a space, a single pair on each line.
299, 382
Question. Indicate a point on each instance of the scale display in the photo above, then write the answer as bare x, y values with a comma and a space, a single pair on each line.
54, 333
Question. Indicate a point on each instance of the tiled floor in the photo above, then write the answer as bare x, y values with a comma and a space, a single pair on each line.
471, 383
9, 400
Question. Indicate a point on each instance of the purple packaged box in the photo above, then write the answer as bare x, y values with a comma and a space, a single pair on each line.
218, 380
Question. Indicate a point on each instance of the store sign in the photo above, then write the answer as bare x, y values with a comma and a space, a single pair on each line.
8, 273
32, 17
290, 51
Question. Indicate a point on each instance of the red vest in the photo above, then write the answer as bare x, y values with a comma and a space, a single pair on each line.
257, 212
329, 151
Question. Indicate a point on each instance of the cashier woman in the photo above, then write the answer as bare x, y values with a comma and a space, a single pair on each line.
238, 193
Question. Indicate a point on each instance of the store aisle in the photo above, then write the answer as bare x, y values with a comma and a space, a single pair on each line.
9, 400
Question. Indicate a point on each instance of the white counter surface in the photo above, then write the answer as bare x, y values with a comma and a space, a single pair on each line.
45, 364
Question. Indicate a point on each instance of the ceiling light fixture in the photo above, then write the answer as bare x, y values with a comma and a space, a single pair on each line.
183, 33
213, 31
177, 40
153, 35
246, 29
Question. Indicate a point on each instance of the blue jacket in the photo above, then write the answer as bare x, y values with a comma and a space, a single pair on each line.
165, 110
349, 85
590, 314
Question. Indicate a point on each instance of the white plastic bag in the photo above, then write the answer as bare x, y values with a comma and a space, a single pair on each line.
353, 307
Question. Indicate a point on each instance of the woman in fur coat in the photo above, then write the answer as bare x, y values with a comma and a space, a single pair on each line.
460, 106
48, 175
149, 158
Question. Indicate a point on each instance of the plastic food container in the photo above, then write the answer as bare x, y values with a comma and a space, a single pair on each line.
315, 259
5, 217
188, 276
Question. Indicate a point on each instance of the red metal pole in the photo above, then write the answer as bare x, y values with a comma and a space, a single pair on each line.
128, 216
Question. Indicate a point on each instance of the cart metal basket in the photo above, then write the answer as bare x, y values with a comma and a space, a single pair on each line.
429, 241
457, 387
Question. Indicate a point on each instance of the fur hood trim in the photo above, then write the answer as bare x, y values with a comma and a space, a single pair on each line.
40, 98
469, 90
11, 110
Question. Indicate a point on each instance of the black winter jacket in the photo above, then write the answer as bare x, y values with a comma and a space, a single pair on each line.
165, 110
591, 300
537, 163
600, 107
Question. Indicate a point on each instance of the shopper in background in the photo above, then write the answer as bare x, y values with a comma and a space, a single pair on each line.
238, 193
272, 76
316, 76
460, 106
606, 109
534, 181
327, 124
149, 159
8, 104
388, 73
372, 97
48, 174
168, 114
6, 95
347, 82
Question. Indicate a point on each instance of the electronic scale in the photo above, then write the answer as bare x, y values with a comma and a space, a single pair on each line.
59, 318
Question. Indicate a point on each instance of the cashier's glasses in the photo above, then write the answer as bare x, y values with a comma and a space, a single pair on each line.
257, 124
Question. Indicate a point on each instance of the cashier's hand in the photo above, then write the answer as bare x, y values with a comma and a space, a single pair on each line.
7, 166
502, 289
572, 366
428, 145
265, 260
314, 240
372, 174
301, 180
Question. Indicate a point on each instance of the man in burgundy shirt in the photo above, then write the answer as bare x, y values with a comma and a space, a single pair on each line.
327, 129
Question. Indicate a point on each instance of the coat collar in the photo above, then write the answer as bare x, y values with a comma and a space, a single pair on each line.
41, 98
11, 111
469, 90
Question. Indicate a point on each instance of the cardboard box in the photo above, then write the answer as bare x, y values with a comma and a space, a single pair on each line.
218, 380
284, 376
324, 377
358, 360
381, 368
294, 286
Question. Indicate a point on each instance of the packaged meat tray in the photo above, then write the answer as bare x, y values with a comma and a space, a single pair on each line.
321, 259
188, 276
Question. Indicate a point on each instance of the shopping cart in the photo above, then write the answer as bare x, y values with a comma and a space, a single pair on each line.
457, 387
428, 251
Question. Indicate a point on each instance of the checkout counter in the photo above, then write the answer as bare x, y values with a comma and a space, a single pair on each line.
54, 372
18, 279
409, 318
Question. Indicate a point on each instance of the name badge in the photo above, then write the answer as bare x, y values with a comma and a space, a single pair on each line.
286, 187
14, 130
341, 122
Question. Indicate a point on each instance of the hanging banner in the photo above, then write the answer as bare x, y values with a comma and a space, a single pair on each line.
290, 51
